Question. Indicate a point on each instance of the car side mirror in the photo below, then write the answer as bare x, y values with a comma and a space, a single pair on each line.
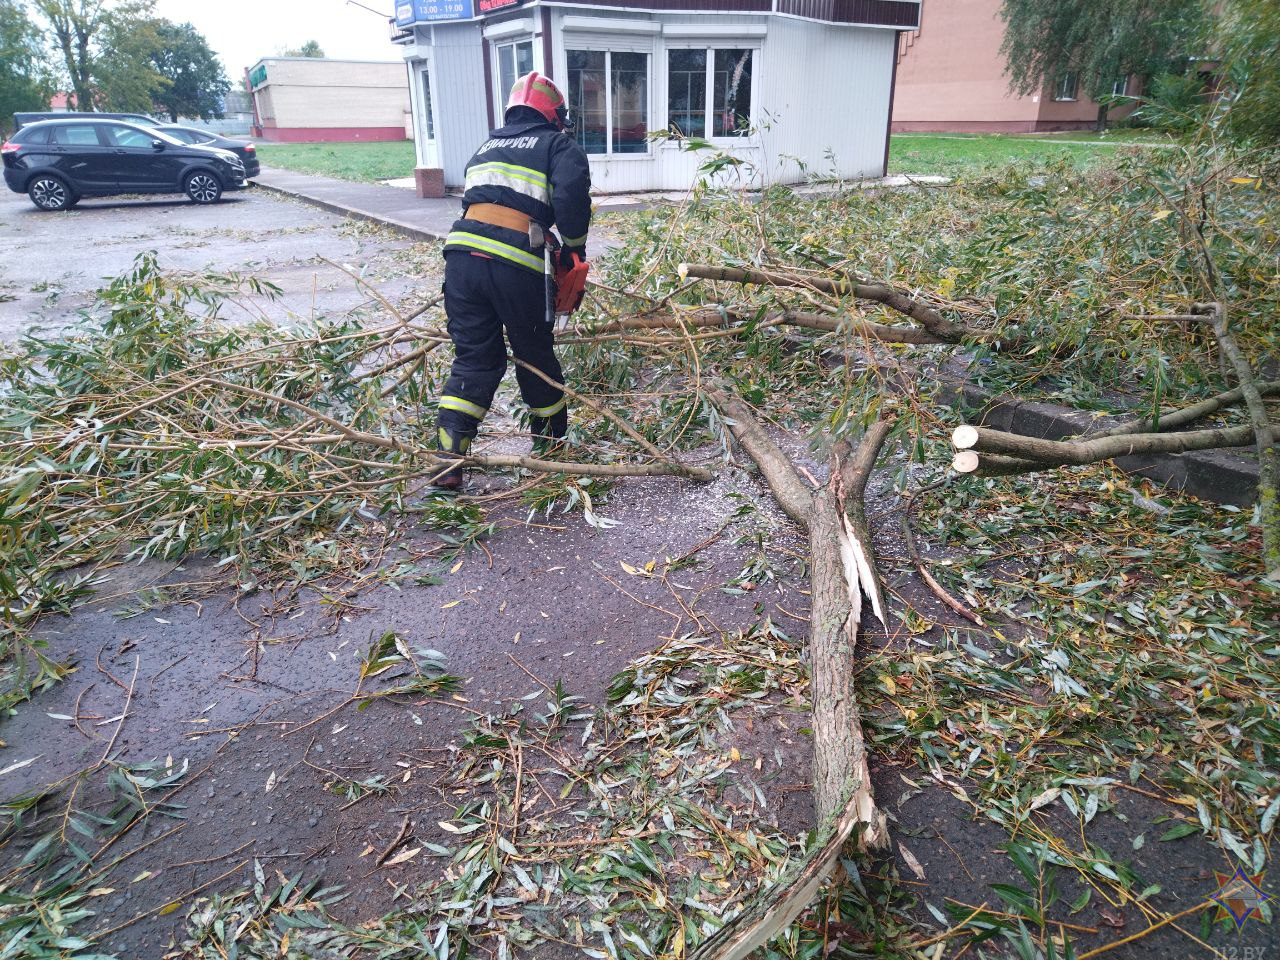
157, 145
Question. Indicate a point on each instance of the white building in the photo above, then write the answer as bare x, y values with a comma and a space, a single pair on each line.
790, 87
315, 99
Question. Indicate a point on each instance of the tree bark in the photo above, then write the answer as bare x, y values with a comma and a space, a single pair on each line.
1176, 417
1264, 439
841, 781
1076, 452
791, 492
891, 297
821, 323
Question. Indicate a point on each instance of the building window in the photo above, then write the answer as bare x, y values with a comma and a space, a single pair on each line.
1120, 88
514, 61
687, 92
709, 90
1066, 87
732, 117
428, 117
609, 92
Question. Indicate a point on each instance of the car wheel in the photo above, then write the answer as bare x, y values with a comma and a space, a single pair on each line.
203, 187
50, 193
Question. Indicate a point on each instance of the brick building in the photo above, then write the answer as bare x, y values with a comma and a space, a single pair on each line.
951, 78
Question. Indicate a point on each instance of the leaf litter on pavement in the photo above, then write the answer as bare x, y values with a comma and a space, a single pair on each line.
1129, 646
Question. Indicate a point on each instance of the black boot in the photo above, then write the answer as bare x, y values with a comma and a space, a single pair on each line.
548, 433
451, 445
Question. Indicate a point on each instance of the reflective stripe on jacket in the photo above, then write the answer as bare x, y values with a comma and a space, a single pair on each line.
536, 169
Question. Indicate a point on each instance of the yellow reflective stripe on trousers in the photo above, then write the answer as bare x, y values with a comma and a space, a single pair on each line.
550, 411
463, 406
461, 238
446, 442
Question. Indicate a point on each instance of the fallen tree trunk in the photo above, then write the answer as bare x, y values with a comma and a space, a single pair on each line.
1079, 452
839, 565
967, 460
1176, 417
705, 318
891, 297
1264, 438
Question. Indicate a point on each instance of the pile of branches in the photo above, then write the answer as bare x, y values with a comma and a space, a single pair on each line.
1148, 290
158, 430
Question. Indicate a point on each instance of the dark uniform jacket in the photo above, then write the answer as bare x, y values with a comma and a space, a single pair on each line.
532, 167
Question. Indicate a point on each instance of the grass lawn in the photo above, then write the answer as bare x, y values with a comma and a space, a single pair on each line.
348, 161
938, 153
955, 153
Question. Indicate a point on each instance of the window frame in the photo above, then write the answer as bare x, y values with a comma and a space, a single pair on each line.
109, 133
426, 101
501, 90
708, 118
31, 134
624, 46
98, 133
1059, 88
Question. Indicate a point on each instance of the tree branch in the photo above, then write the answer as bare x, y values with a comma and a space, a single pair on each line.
891, 297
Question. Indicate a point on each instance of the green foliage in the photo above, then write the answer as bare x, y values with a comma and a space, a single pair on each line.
1249, 37
105, 47
53, 886
309, 49
1133, 645
125, 76
1100, 40
25, 83
196, 85
1176, 102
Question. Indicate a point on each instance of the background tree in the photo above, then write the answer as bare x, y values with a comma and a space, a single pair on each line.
1249, 41
124, 74
25, 83
105, 48
308, 49
197, 85
1102, 41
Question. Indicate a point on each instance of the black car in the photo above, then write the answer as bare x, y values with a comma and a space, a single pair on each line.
57, 162
20, 120
247, 152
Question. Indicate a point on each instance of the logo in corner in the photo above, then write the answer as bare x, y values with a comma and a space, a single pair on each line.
1239, 895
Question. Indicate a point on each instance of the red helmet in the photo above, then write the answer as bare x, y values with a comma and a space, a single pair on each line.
535, 90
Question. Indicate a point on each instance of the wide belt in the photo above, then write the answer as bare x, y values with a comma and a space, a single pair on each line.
498, 216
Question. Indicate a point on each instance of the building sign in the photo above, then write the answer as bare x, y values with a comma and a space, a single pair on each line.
428, 11
488, 6
258, 76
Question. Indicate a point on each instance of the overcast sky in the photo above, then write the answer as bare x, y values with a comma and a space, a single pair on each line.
242, 31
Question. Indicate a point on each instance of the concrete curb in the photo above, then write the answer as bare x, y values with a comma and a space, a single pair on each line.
345, 210
1218, 475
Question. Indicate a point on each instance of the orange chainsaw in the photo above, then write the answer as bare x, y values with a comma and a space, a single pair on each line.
566, 274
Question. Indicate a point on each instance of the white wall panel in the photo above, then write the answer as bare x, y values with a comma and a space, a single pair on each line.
462, 117
827, 90
820, 94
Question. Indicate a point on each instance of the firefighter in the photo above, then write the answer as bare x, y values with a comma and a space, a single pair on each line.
528, 175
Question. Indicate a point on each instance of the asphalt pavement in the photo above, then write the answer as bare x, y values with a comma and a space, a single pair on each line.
51, 263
